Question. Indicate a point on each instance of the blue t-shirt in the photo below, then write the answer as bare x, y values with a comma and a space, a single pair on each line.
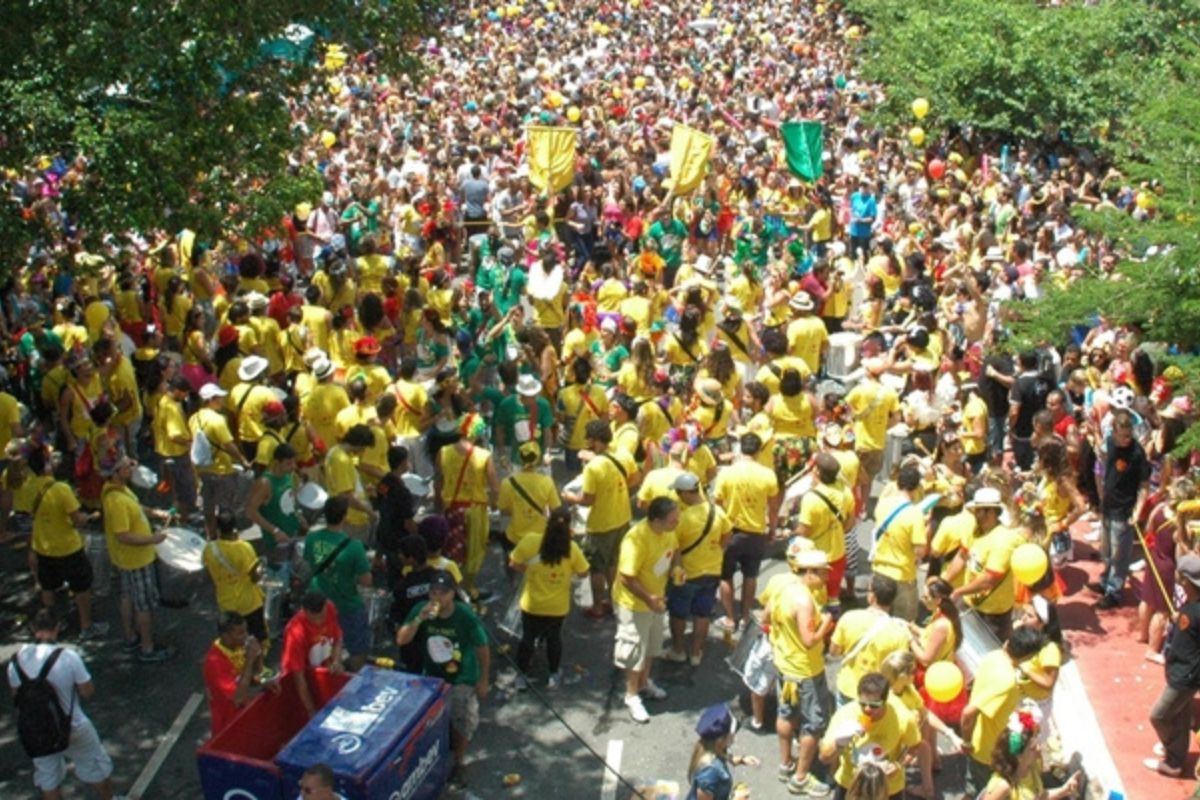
714, 778
862, 206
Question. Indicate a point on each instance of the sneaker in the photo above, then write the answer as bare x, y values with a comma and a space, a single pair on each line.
756, 726
785, 771
96, 630
675, 656
1108, 602
653, 691
1138, 565
809, 786
637, 710
1159, 750
521, 683
157, 656
132, 645
1162, 767
695, 659
555, 681
725, 624
560, 679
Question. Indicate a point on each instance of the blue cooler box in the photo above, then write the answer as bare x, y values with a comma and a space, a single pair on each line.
386, 736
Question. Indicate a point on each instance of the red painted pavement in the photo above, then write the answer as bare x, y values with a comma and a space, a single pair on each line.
1120, 683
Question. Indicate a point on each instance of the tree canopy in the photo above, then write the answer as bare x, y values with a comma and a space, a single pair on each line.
179, 109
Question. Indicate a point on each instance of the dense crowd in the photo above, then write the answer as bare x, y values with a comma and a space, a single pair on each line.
657, 392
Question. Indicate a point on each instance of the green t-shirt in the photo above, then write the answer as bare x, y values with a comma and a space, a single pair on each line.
448, 645
612, 359
510, 289
513, 418
339, 581
280, 509
670, 240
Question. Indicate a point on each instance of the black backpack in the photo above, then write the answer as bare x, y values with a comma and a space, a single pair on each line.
42, 726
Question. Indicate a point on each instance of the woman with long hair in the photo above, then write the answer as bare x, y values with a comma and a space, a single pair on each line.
938, 640
636, 376
174, 306
900, 669
1038, 675
710, 773
685, 348
1017, 763
548, 561
793, 418
720, 366
198, 366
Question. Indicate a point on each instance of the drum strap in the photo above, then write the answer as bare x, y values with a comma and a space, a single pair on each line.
875, 629
882, 529
708, 523
37, 501
215, 549
329, 559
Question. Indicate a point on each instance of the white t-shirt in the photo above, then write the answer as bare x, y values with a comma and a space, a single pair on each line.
68, 673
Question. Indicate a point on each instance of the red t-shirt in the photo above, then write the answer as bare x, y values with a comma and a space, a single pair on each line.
306, 645
220, 681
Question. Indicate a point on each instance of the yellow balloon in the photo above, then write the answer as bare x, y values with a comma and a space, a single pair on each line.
554, 100
550, 8
574, 114
943, 681
539, 23
328, 139
1144, 200
728, 29
920, 107
639, 82
617, 93
685, 84
1029, 563
916, 135
853, 32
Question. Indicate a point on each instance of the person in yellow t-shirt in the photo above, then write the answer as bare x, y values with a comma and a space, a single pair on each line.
57, 554
798, 627
549, 560
713, 413
1037, 677
994, 696
246, 402
974, 429
873, 728
527, 496
749, 493
647, 555
466, 481
986, 564
875, 408
218, 483
954, 533
660, 481
702, 533
131, 548
10, 419
412, 415
579, 402
864, 637
235, 570
901, 539
806, 335
823, 511
322, 405
173, 444
342, 479
604, 489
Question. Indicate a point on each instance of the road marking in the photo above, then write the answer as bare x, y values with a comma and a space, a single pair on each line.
612, 757
165, 746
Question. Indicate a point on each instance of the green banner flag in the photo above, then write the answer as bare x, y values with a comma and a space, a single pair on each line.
803, 143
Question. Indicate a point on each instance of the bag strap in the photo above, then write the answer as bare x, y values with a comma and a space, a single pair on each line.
237, 415
718, 414
407, 405
708, 523
292, 432
329, 559
617, 464
37, 501
583, 394
463, 471
882, 529
215, 549
875, 629
685, 348
731, 335
829, 504
525, 496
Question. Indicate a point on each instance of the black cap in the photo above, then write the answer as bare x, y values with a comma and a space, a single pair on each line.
443, 580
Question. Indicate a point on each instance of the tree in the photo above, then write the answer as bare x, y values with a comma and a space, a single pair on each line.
180, 110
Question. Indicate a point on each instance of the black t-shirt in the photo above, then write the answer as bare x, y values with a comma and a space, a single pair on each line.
1030, 392
993, 392
1125, 470
1183, 655
396, 507
409, 590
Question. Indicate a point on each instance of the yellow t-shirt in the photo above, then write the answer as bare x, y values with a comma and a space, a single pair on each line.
168, 425
474, 485
523, 517
806, 336
572, 404
992, 553
550, 313
341, 476
10, 415
410, 409
792, 416
81, 419
713, 421
872, 405
768, 375
94, 317
953, 534
895, 554
792, 658
609, 489
887, 635
610, 295
995, 694
231, 575
123, 514
54, 533
1048, 658
645, 555
825, 524
318, 320
744, 489
972, 412
123, 384
677, 355
888, 738
850, 465
216, 430
658, 482
270, 341
375, 376
264, 454
371, 271
705, 558
547, 588
350, 416
320, 409
249, 418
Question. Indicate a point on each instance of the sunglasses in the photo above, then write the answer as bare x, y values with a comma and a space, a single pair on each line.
871, 705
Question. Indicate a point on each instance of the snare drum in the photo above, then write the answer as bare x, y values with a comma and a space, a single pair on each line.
97, 552
181, 566
978, 641
579, 514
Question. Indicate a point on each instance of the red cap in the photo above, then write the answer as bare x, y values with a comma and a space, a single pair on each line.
227, 335
366, 346
274, 408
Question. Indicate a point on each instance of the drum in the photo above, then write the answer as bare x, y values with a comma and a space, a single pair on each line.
96, 548
180, 566
274, 593
753, 661
896, 436
419, 487
842, 357
978, 641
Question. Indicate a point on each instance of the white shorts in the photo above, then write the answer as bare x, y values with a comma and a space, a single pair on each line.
639, 638
92, 764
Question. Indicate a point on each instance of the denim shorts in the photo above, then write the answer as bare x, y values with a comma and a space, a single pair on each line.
810, 712
695, 598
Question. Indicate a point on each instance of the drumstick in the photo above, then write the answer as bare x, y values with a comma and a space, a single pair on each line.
1154, 568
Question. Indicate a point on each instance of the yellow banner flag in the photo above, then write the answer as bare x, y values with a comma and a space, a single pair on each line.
689, 156
551, 153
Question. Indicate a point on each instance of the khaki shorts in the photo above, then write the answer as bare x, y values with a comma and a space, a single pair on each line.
464, 710
601, 549
870, 462
639, 638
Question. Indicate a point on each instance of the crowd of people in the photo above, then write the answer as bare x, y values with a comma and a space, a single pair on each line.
656, 392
